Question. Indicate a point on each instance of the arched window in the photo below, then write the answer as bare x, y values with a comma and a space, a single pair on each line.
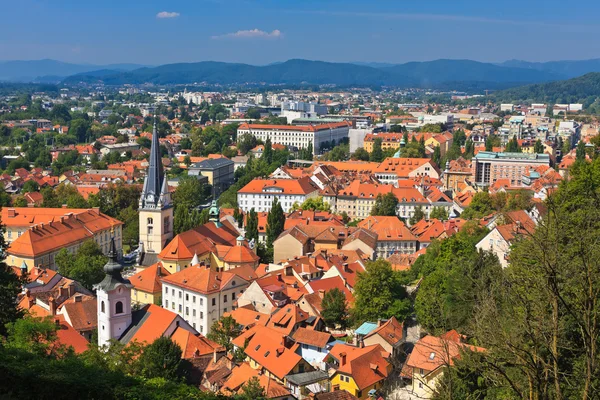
102, 306
119, 308
150, 221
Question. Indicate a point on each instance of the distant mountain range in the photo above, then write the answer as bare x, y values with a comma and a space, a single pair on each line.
446, 74
51, 70
294, 72
583, 89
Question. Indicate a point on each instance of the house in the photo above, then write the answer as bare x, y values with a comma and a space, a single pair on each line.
288, 319
390, 335
391, 169
313, 346
219, 172
147, 284
392, 235
430, 356
501, 237
201, 295
358, 370
240, 375
270, 351
259, 194
80, 312
274, 290
39, 244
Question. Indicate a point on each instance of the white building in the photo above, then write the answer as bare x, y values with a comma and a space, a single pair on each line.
260, 193
200, 295
299, 137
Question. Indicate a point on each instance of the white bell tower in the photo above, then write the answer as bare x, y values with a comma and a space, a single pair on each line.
114, 300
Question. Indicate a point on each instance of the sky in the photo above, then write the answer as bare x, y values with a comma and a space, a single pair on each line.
259, 32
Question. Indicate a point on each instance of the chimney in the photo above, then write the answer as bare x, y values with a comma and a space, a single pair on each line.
11, 212
215, 355
52, 305
64, 292
279, 278
158, 270
279, 351
71, 289
342, 359
30, 298
78, 298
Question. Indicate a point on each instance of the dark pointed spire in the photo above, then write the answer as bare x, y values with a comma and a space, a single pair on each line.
153, 193
113, 269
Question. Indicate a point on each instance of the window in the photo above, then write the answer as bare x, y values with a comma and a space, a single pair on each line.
201, 301
214, 301
150, 230
166, 290
201, 315
187, 297
173, 292
102, 306
193, 299
119, 307
224, 298
180, 294
180, 308
193, 313
166, 303
150, 221
187, 311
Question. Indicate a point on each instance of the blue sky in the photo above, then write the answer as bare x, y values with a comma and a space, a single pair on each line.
265, 31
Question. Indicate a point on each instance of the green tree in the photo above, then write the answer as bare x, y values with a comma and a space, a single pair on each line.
268, 151
252, 390
580, 151
481, 205
385, 205
439, 213
35, 335
538, 147
189, 194
162, 359
334, 309
223, 331
312, 204
275, 222
417, 215
377, 152
360, 154
86, 266
379, 294
252, 225
513, 146
30, 186
19, 201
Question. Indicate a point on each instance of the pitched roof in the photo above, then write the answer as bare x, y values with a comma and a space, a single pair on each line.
248, 317
149, 279
299, 128
81, 312
241, 374
391, 331
302, 186
203, 279
267, 348
148, 324
402, 167
287, 318
312, 337
387, 228
431, 352
68, 336
366, 365
194, 345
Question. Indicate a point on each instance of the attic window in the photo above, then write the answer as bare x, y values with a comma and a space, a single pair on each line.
431, 356
267, 353
257, 347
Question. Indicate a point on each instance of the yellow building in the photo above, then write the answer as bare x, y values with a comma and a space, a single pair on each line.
147, 285
38, 245
358, 370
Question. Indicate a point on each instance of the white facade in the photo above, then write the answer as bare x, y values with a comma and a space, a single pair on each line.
299, 137
262, 202
201, 310
114, 313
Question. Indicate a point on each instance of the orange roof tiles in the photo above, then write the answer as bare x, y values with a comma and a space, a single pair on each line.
194, 345
307, 128
149, 279
367, 365
312, 337
203, 279
267, 348
302, 186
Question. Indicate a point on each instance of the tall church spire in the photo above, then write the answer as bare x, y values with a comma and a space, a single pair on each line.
155, 193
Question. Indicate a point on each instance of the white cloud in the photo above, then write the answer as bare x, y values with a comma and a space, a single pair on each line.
167, 14
250, 34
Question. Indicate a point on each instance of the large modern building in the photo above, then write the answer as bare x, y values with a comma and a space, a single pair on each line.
299, 137
219, 172
488, 167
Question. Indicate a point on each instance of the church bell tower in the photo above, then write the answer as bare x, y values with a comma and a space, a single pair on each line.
155, 207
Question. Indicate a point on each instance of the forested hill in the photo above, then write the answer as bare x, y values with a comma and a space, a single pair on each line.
584, 89
433, 74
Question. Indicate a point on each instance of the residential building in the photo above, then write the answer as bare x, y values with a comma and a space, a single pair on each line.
390, 335
155, 208
313, 346
219, 172
147, 284
259, 194
358, 370
428, 360
392, 169
299, 137
487, 167
392, 235
38, 245
201, 295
